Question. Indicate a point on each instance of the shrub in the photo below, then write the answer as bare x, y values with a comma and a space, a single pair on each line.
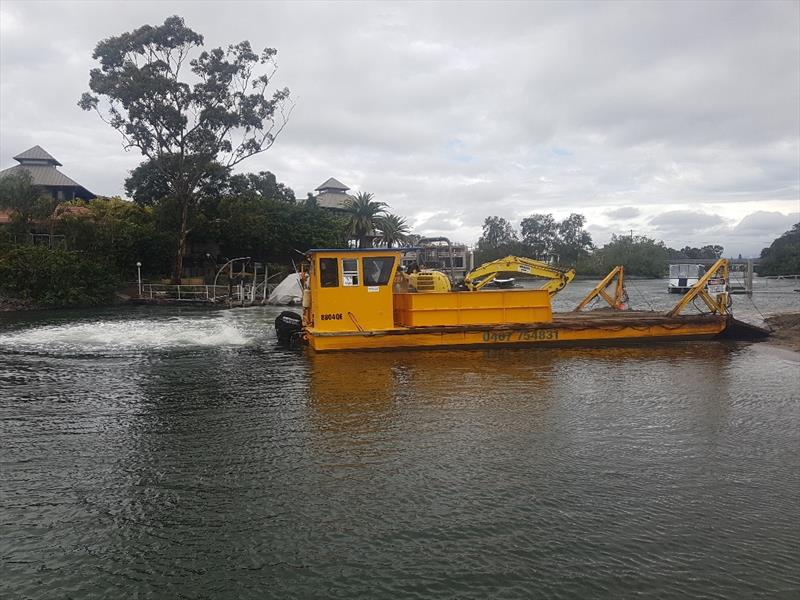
55, 278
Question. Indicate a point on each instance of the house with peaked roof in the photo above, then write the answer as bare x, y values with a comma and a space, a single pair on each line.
333, 194
44, 174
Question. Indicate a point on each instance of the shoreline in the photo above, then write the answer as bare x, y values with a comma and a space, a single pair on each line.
785, 330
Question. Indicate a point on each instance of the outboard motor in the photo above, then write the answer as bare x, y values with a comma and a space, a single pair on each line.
288, 325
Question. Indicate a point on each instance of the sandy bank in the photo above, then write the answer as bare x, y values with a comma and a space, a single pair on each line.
786, 330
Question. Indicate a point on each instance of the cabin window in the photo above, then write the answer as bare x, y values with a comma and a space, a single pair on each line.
350, 272
328, 272
377, 270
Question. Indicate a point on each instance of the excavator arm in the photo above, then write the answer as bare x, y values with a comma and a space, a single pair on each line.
486, 273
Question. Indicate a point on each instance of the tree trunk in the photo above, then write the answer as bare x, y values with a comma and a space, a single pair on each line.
177, 269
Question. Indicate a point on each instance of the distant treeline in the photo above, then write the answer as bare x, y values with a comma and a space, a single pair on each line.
783, 255
567, 243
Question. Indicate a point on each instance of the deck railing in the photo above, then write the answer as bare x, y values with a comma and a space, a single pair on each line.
242, 293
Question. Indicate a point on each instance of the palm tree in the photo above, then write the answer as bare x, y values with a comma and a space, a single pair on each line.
394, 230
364, 214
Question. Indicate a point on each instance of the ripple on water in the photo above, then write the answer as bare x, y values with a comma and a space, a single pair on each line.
245, 470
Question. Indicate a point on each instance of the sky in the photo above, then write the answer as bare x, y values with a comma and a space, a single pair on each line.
675, 120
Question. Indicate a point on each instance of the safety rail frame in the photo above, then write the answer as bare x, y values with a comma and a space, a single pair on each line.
206, 293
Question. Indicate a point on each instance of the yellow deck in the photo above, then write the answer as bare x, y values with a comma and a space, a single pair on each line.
565, 328
472, 308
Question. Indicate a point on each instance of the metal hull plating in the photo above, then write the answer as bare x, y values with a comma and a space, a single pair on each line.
565, 329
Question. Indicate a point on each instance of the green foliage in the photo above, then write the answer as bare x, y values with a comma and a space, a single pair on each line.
224, 111
783, 255
121, 231
393, 229
149, 185
709, 251
269, 229
18, 194
55, 278
639, 255
189, 131
539, 233
572, 242
263, 184
542, 238
497, 240
363, 215
497, 232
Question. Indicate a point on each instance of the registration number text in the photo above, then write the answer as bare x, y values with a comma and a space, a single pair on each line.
520, 335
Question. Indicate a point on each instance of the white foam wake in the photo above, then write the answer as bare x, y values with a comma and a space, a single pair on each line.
135, 333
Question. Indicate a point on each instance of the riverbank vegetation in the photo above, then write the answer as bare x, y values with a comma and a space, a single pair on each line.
567, 243
783, 255
37, 276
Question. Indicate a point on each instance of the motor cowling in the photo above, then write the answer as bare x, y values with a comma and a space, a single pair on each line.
288, 325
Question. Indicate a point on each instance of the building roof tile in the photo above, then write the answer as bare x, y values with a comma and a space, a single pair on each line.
332, 184
36, 153
47, 176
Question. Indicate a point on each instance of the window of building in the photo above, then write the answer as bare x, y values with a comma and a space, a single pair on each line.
328, 272
377, 270
60, 195
350, 272
458, 262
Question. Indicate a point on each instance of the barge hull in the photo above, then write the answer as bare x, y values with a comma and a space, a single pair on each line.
565, 329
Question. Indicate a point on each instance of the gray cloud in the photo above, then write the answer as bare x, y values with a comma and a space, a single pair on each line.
452, 112
764, 223
685, 221
624, 213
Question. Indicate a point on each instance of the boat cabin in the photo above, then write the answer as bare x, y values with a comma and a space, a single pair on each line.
363, 290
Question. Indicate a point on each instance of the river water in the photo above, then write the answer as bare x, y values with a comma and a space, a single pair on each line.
177, 453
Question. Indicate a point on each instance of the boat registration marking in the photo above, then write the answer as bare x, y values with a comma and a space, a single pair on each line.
520, 335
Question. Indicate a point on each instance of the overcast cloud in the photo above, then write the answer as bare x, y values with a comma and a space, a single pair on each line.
676, 120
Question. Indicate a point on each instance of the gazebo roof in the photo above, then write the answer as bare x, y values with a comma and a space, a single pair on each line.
332, 184
37, 154
41, 166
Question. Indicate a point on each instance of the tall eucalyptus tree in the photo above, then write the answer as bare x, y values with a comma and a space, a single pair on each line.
190, 127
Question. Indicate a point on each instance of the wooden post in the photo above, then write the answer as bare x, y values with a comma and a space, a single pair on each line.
748, 278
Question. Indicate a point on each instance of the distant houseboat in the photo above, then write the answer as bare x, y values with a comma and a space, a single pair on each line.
683, 276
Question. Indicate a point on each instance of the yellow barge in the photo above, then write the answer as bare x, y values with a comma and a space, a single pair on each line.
360, 300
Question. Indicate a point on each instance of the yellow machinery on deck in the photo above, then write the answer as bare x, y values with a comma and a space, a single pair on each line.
428, 280
359, 299
488, 272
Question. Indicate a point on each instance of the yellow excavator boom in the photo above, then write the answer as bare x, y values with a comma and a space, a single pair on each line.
487, 272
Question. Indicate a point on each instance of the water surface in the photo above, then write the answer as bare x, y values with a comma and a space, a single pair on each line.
180, 453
